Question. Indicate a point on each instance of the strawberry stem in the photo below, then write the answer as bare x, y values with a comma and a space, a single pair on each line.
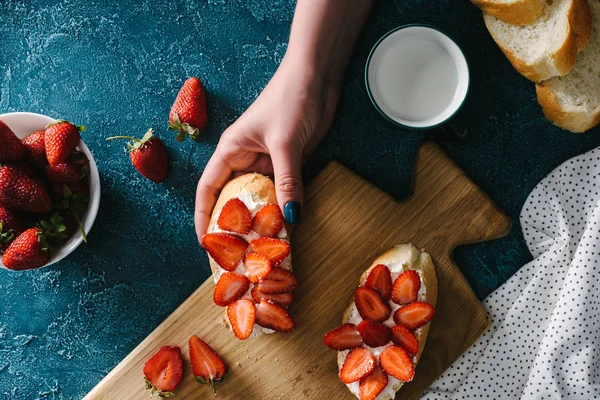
123, 137
83, 235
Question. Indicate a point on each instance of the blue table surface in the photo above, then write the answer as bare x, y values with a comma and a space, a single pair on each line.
116, 66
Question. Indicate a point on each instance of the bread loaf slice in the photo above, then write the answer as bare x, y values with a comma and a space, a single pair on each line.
547, 47
516, 12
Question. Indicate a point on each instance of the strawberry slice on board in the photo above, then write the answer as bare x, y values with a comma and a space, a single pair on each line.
279, 280
398, 363
227, 250
275, 250
241, 315
207, 365
370, 305
406, 287
405, 338
274, 316
284, 299
257, 266
268, 221
414, 315
374, 334
380, 279
343, 337
359, 363
235, 217
229, 288
373, 384
163, 371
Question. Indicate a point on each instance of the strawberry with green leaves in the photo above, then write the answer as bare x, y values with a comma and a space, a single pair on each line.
163, 371
207, 365
22, 191
61, 139
188, 114
11, 148
73, 200
10, 227
72, 170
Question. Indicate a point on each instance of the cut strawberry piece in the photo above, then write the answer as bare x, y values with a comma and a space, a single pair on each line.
227, 250
404, 338
274, 316
235, 217
373, 334
229, 288
406, 287
257, 266
358, 364
268, 221
275, 250
414, 315
373, 384
343, 337
397, 362
207, 365
163, 371
284, 299
279, 280
370, 305
241, 314
380, 279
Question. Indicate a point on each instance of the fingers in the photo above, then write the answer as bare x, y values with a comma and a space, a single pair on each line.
288, 181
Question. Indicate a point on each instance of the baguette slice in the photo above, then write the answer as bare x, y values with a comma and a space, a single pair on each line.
516, 12
573, 101
547, 47
404, 257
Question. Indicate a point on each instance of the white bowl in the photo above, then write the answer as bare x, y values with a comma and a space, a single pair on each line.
24, 123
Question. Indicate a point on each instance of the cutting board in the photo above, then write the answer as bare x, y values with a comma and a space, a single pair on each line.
347, 223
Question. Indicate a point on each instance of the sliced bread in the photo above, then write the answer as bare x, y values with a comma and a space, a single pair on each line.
573, 101
547, 47
516, 12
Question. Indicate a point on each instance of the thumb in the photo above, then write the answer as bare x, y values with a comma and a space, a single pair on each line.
288, 182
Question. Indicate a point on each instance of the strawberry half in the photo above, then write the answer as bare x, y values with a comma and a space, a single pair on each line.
373, 334
229, 288
397, 362
404, 338
406, 287
343, 337
373, 384
227, 250
241, 315
257, 266
275, 250
359, 363
414, 315
163, 371
279, 280
235, 217
207, 365
11, 148
284, 299
268, 221
380, 279
370, 305
61, 138
274, 316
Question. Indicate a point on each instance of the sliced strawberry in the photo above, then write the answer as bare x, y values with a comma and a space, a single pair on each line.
359, 363
414, 315
268, 221
241, 314
274, 316
370, 305
235, 217
279, 280
226, 249
275, 250
373, 384
380, 279
284, 299
343, 337
397, 362
207, 365
406, 287
257, 266
373, 334
404, 338
163, 371
229, 288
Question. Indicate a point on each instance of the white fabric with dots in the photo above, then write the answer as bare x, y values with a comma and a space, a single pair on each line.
544, 342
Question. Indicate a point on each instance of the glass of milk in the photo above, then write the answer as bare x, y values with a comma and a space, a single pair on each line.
417, 77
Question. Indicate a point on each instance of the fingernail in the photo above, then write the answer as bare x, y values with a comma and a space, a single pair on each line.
292, 211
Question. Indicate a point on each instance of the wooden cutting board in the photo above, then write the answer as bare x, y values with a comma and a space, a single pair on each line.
347, 223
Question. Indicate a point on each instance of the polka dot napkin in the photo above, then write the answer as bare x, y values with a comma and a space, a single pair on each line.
545, 338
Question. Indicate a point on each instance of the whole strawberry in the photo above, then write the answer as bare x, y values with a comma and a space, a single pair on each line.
36, 149
10, 227
72, 170
188, 114
23, 192
61, 138
148, 156
11, 148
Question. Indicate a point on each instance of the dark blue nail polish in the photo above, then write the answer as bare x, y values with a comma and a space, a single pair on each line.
292, 211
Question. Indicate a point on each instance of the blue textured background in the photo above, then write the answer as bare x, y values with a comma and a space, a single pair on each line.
116, 66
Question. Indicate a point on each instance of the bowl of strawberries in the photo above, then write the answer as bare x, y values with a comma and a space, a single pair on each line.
49, 190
